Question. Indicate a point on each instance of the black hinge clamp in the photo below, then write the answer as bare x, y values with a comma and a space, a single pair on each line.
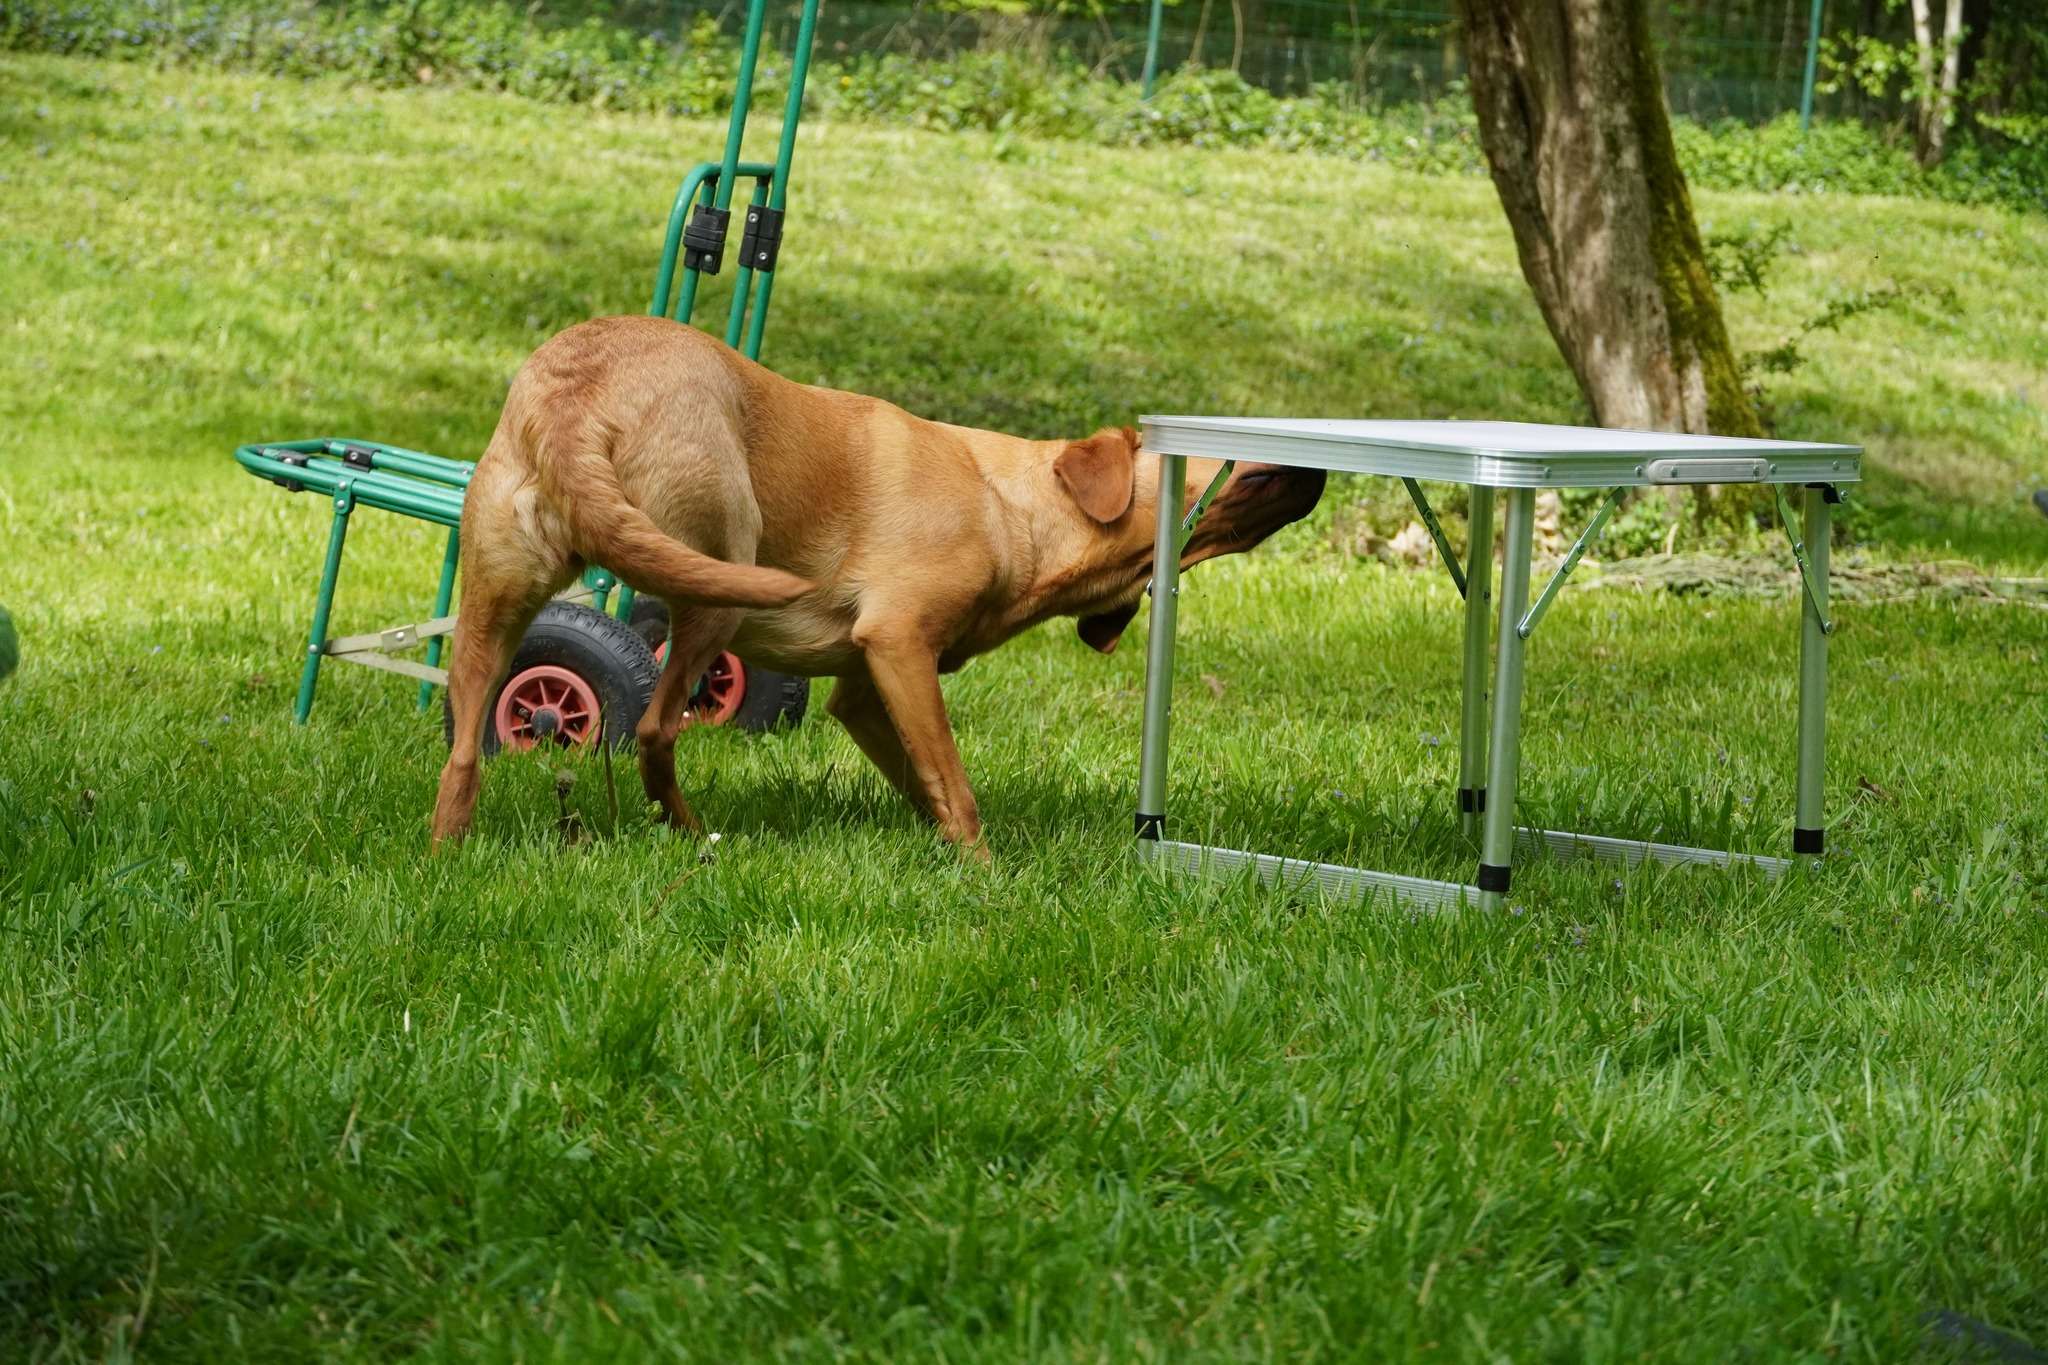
357, 456
761, 240
296, 461
704, 239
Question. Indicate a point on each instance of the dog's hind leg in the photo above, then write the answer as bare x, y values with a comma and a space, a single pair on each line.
696, 635
486, 633
511, 565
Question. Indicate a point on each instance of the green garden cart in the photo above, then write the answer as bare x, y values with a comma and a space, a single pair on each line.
586, 667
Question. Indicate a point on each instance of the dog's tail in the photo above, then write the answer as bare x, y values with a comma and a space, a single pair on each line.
575, 471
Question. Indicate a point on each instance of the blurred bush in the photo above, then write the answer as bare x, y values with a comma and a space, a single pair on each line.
496, 46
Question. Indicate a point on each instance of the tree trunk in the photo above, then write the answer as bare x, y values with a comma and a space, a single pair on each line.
1951, 63
1923, 58
1201, 36
1572, 117
1976, 21
1939, 59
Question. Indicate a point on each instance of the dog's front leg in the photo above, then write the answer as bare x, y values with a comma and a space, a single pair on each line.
856, 705
905, 670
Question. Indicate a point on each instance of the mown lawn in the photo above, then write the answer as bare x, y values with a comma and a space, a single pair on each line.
273, 1083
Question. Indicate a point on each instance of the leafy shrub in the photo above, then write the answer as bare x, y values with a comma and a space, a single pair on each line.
1851, 158
490, 46
990, 91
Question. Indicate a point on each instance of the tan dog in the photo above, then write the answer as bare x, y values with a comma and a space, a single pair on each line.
808, 530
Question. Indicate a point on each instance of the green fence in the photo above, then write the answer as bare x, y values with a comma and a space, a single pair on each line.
1743, 59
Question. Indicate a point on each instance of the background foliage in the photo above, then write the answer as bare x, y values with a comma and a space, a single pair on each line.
684, 65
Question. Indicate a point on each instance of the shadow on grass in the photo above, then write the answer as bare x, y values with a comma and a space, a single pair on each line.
989, 342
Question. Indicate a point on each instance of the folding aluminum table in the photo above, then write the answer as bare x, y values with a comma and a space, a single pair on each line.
1516, 458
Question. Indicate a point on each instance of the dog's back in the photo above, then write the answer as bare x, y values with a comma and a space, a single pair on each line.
622, 443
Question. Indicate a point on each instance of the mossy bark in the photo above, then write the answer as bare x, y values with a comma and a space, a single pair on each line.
1578, 140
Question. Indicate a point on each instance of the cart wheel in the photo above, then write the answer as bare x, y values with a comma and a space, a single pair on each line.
755, 699
649, 620
575, 669
772, 700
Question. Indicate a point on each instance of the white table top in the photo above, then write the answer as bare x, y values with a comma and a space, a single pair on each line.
1503, 454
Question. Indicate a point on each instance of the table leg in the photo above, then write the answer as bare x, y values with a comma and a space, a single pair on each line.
1497, 846
316, 643
1808, 824
1472, 709
1151, 816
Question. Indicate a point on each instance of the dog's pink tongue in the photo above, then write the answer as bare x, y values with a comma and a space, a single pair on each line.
1101, 632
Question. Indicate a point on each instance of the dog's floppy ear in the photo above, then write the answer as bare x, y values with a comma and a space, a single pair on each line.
1099, 472
1102, 631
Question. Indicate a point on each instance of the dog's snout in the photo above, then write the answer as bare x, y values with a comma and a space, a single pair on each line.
1298, 489
1260, 476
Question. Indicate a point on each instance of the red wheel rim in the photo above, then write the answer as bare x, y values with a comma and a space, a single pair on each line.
545, 703
716, 698
720, 691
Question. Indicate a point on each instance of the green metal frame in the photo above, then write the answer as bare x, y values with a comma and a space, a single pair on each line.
430, 488
1151, 72
1812, 66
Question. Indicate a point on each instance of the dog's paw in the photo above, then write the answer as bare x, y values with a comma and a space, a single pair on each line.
674, 811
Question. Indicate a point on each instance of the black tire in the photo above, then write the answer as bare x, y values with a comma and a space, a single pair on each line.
649, 620
602, 651
772, 699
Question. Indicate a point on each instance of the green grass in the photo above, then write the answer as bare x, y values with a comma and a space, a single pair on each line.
272, 1082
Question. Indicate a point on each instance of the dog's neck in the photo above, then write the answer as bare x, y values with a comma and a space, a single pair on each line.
1055, 566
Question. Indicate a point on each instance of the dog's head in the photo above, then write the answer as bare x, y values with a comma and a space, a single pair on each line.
1114, 488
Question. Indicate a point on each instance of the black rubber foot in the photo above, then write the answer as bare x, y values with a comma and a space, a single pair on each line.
1492, 878
1150, 826
1808, 840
